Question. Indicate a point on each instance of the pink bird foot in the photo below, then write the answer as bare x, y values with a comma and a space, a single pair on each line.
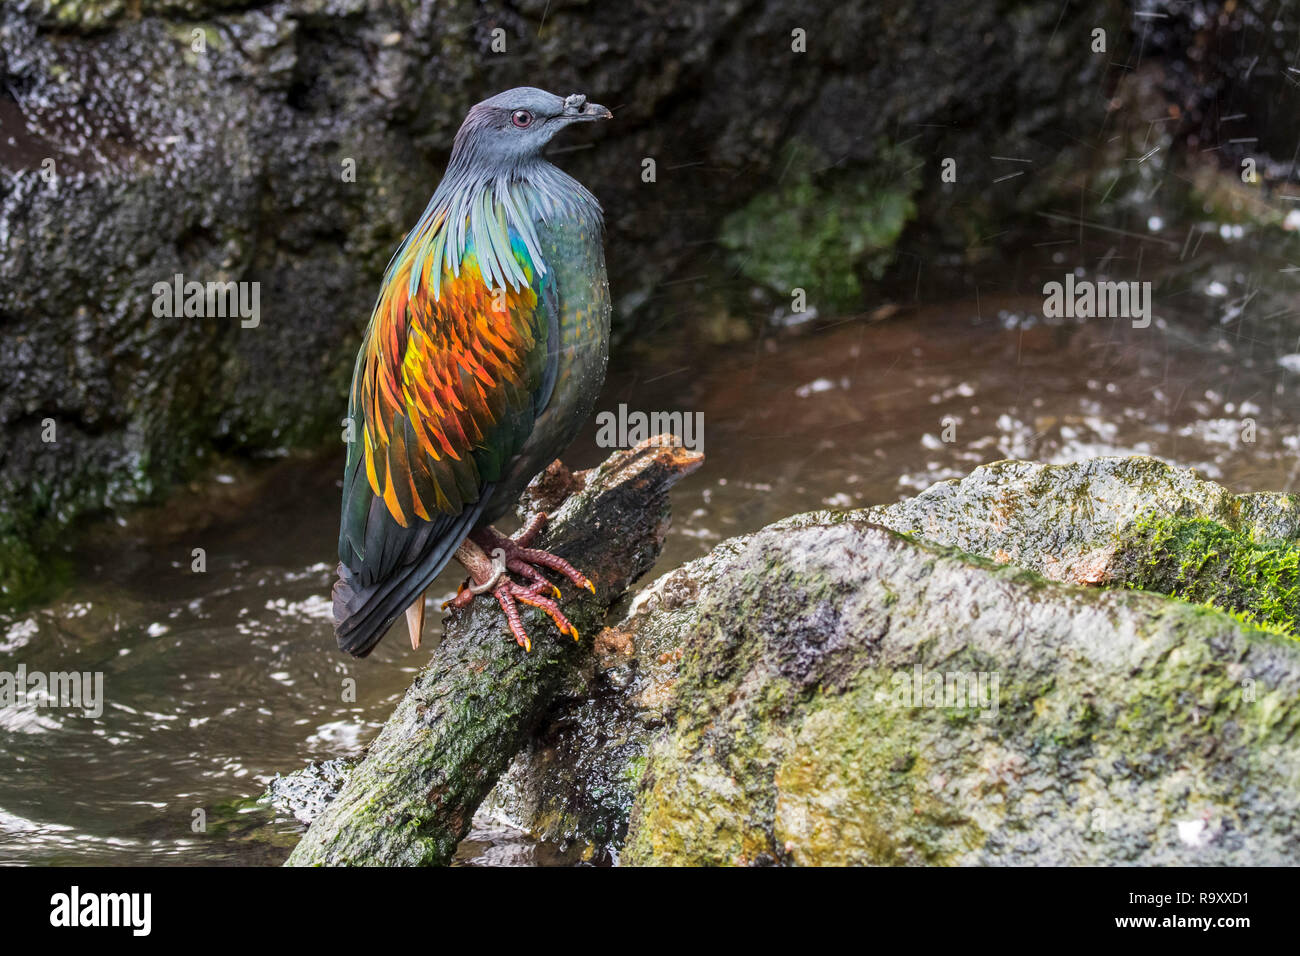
490, 557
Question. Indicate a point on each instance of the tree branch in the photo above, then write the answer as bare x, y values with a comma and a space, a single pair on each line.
410, 799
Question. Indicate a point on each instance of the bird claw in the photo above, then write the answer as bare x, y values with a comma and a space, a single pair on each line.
514, 555
459, 600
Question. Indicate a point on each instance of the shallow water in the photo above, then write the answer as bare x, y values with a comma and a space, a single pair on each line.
216, 681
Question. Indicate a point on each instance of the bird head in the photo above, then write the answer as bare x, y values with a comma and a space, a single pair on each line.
512, 127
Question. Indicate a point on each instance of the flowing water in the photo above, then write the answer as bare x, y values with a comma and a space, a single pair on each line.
216, 681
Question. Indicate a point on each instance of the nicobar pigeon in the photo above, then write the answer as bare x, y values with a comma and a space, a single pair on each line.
482, 360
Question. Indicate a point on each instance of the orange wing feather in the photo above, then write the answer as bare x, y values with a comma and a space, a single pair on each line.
444, 384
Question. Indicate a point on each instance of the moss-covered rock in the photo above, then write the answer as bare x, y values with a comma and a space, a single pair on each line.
825, 229
1004, 534
849, 695
1122, 522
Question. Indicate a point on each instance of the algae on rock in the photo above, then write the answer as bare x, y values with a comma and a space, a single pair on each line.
1110, 726
825, 231
811, 750
1128, 522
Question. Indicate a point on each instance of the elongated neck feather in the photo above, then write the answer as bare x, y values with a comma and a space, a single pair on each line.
486, 206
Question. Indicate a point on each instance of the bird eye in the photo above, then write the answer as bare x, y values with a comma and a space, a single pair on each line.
522, 118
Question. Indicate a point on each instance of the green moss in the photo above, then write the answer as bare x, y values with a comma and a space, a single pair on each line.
1250, 619
875, 757
822, 231
84, 14
1203, 562
790, 751
34, 526
27, 577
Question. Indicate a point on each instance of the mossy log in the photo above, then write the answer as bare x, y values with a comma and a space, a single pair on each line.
410, 799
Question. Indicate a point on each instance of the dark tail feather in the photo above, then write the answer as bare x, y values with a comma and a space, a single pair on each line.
359, 622
363, 615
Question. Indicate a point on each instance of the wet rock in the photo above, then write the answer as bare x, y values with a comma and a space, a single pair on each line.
1067, 522
849, 695
1121, 522
304, 793
747, 723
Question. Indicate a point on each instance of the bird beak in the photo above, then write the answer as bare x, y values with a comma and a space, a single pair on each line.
577, 108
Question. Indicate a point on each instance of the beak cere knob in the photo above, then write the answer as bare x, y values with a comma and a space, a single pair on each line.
576, 107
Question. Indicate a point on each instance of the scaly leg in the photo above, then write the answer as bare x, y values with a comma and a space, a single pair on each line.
488, 555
